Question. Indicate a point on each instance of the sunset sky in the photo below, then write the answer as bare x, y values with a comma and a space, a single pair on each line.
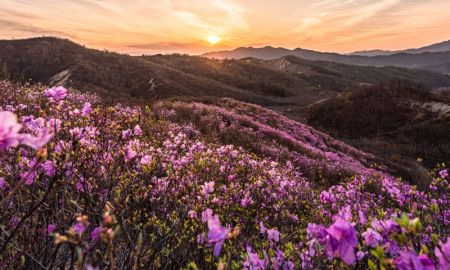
192, 26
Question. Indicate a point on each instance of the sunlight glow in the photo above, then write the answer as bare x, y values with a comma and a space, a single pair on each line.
213, 39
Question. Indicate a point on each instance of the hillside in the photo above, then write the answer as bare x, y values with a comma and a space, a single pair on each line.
433, 61
62, 62
197, 185
55, 61
398, 121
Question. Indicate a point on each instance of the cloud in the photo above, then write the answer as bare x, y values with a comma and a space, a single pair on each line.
168, 25
23, 29
309, 21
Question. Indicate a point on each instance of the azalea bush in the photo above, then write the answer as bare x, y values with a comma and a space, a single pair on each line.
182, 185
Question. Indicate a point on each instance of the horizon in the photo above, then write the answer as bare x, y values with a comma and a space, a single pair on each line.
194, 27
212, 51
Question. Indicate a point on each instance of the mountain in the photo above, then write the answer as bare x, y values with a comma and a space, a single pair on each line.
281, 83
438, 47
438, 61
373, 52
398, 121
61, 62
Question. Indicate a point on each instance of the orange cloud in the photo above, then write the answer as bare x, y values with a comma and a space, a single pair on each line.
138, 26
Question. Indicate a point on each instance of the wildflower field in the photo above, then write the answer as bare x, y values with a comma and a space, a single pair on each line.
200, 185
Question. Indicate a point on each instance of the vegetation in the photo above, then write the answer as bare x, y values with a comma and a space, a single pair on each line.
85, 185
397, 121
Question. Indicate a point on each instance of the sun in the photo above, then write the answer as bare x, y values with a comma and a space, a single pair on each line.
213, 39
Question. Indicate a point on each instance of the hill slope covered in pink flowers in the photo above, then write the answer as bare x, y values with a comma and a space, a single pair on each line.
195, 185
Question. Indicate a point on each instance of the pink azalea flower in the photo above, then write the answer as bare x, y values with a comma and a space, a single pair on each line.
443, 254
192, 214
95, 234
87, 109
408, 260
253, 262
9, 130
28, 177
371, 237
217, 234
207, 214
137, 130
145, 160
273, 235
37, 142
126, 134
2, 183
51, 228
57, 93
79, 228
207, 188
341, 241
360, 255
49, 168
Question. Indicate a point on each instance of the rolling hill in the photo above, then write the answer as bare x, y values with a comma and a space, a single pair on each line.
397, 121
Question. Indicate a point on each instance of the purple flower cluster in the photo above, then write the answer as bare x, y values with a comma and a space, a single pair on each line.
288, 197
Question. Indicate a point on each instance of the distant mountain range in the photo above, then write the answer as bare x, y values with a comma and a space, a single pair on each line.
438, 47
434, 57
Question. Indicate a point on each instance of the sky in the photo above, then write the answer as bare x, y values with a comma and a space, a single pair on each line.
189, 26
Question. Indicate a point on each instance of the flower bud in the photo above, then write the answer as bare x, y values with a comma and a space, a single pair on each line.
60, 239
42, 154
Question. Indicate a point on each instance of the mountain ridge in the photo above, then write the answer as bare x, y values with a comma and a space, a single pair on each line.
437, 60
437, 47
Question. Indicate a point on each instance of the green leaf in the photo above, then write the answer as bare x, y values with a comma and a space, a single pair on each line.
372, 265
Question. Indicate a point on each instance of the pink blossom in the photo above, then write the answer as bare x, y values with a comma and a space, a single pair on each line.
273, 235
208, 188
253, 262
137, 130
341, 241
2, 183
443, 254
207, 214
49, 168
126, 134
371, 238
51, 228
217, 234
57, 93
9, 130
87, 109
360, 255
36, 142
145, 160
95, 234
408, 260
79, 228
192, 214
